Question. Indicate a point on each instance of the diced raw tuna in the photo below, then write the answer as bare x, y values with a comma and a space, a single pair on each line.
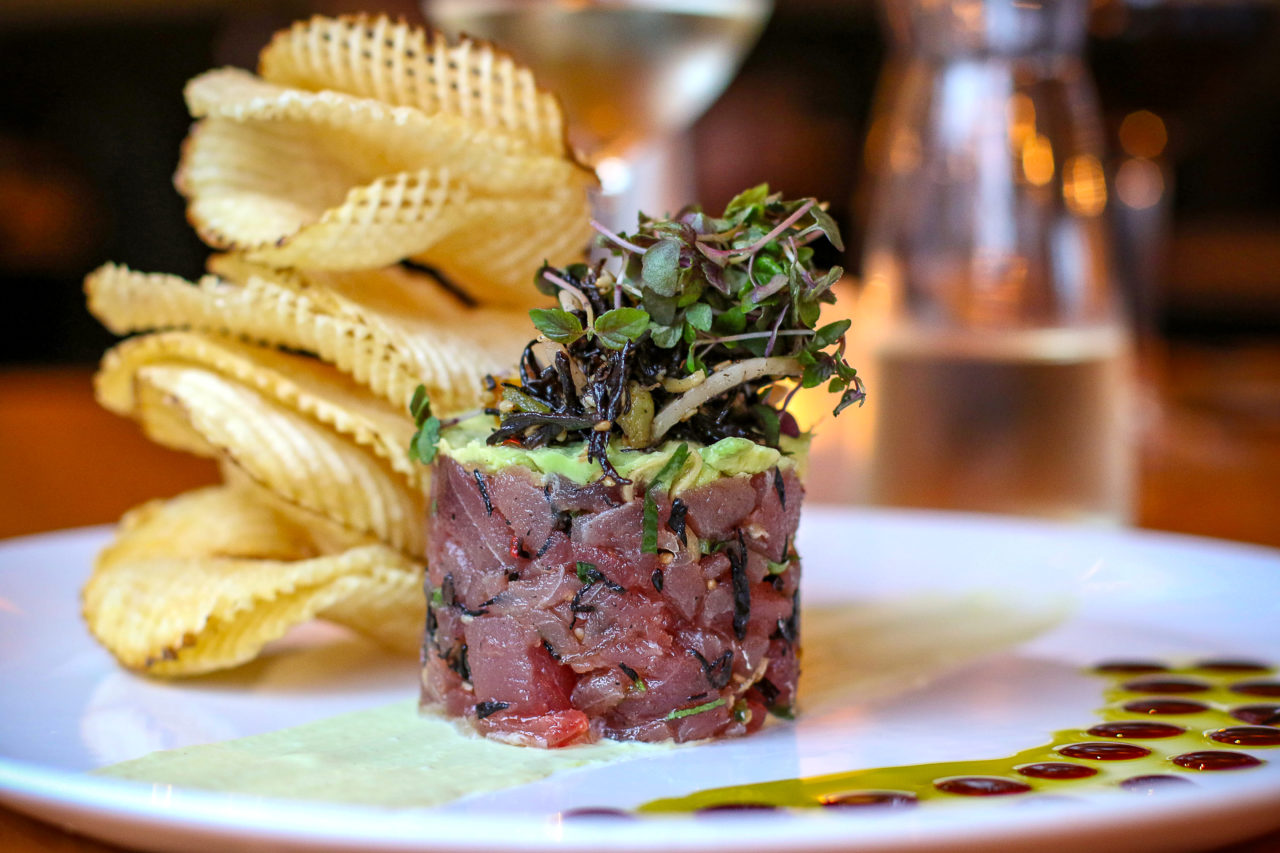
549, 625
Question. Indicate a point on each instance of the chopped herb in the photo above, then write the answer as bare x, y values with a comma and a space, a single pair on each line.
485, 709
649, 537
697, 709
672, 468
778, 568
741, 711
584, 570
437, 599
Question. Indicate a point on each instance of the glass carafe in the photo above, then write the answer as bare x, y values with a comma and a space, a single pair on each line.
999, 364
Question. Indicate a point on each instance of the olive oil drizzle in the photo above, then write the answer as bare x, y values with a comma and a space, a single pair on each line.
1151, 750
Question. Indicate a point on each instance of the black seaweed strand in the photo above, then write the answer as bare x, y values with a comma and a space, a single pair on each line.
484, 491
676, 522
489, 708
741, 588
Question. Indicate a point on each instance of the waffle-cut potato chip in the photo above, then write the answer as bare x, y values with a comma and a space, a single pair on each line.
262, 188
281, 194
305, 463
369, 138
302, 384
469, 257
389, 329
214, 521
327, 536
373, 57
181, 593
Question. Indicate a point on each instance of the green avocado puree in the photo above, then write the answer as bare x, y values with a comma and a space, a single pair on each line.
728, 457
389, 756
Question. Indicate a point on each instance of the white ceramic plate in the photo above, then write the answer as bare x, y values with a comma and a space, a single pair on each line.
66, 708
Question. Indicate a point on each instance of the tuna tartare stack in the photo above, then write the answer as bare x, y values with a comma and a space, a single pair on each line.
612, 542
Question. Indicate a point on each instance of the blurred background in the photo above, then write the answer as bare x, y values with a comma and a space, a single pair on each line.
91, 120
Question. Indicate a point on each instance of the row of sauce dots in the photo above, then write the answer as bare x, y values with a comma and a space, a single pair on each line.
1263, 729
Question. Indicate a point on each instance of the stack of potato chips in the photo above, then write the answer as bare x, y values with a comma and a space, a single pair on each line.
360, 144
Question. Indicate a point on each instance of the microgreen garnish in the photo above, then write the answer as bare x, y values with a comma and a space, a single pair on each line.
422, 448
689, 334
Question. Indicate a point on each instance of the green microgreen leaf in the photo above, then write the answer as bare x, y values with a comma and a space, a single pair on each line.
423, 447
419, 405
660, 270
830, 333
696, 709
827, 226
731, 321
615, 328
699, 316
747, 201
585, 571
557, 324
667, 336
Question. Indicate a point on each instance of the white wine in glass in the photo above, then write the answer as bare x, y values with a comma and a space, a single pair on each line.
631, 72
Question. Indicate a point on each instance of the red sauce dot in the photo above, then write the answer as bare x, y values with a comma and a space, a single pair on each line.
1258, 715
1247, 736
1154, 783
862, 799
598, 811
1225, 665
1134, 667
1210, 759
981, 786
1056, 770
1165, 706
1166, 685
1136, 729
1257, 688
1105, 751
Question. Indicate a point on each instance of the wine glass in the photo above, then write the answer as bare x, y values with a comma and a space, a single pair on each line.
633, 74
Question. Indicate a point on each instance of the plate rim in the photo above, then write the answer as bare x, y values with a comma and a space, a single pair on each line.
46, 792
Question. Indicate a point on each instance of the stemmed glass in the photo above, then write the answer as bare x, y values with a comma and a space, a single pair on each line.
634, 74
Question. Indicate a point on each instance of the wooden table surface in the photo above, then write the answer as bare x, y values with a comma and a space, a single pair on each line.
1210, 466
